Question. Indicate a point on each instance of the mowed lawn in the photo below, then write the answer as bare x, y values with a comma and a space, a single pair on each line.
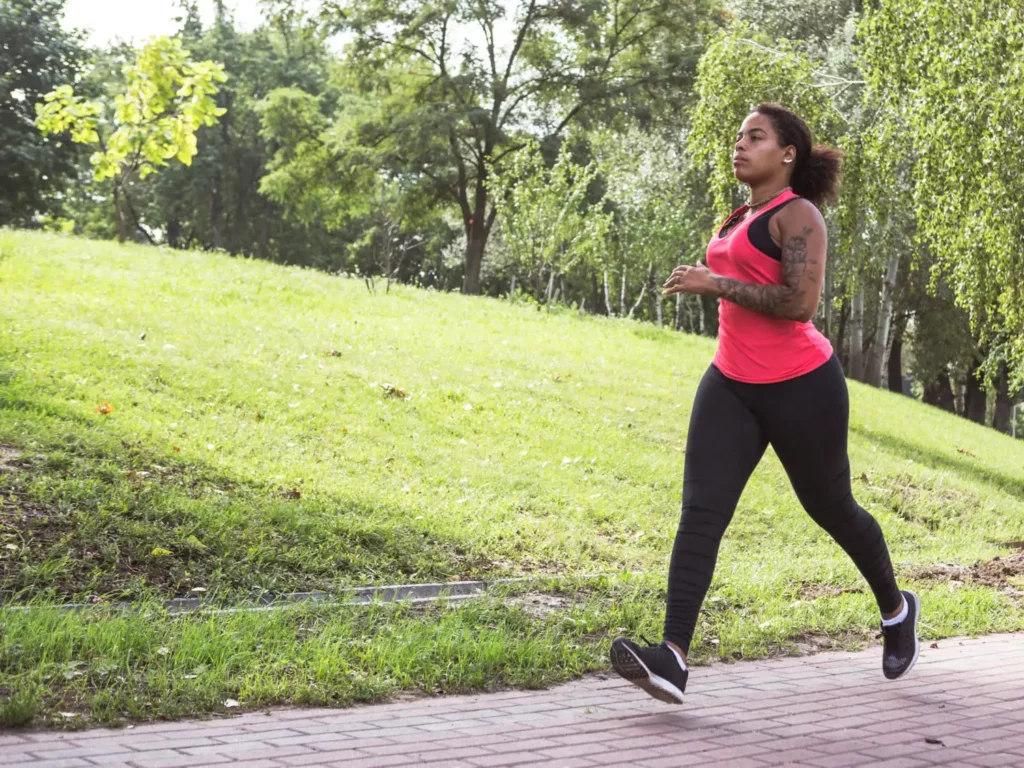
177, 424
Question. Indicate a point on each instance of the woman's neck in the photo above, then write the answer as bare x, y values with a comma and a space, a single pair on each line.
763, 191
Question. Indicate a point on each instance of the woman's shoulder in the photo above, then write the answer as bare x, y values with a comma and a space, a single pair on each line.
799, 209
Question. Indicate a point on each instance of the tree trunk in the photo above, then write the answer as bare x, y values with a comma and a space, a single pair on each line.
607, 296
876, 360
679, 310
840, 342
216, 211
856, 371
174, 232
1004, 405
263, 243
827, 324
622, 295
122, 225
708, 315
643, 290
474, 259
940, 393
658, 307
975, 398
895, 374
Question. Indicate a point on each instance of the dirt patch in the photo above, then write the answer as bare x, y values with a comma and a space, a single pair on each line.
540, 605
999, 571
809, 644
814, 591
996, 572
8, 457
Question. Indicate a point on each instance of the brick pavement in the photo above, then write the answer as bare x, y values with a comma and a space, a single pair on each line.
962, 705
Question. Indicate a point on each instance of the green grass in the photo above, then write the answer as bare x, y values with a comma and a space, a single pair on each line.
282, 430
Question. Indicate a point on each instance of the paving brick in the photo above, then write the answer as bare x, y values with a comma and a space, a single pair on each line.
838, 761
322, 758
618, 757
825, 711
171, 759
994, 759
508, 758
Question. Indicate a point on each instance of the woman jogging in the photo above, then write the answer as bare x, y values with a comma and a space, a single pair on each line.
774, 381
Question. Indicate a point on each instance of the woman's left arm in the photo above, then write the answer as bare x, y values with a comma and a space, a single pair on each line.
804, 245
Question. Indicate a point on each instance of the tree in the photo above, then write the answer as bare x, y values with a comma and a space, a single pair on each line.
36, 55
656, 226
547, 223
167, 97
948, 75
215, 202
444, 110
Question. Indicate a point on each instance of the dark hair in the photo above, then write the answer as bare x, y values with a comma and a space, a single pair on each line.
817, 167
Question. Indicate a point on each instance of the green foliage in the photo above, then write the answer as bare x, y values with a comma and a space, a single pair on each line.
36, 56
167, 98
738, 71
547, 222
647, 179
439, 111
947, 75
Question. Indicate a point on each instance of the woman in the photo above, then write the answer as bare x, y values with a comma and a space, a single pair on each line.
774, 380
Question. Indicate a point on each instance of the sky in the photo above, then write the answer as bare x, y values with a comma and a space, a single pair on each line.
138, 20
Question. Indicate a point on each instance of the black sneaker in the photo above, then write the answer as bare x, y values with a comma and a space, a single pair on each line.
655, 668
901, 645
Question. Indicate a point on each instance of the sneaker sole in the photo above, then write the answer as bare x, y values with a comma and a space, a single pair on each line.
629, 667
917, 641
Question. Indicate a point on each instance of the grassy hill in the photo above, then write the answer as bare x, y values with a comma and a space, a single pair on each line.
172, 422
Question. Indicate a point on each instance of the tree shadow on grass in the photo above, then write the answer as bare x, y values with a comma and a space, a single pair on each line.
977, 471
103, 512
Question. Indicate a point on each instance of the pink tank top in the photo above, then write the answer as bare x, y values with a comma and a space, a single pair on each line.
753, 347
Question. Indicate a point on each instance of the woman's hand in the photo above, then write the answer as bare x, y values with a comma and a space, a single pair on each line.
690, 278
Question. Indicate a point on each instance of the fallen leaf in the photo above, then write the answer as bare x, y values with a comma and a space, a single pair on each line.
934, 645
257, 416
230, 703
390, 391
163, 651
334, 353
177, 449
933, 740
105, 409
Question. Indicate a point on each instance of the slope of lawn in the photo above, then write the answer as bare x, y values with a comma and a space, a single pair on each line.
174, 424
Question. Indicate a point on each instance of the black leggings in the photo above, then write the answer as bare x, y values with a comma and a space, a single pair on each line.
806, 421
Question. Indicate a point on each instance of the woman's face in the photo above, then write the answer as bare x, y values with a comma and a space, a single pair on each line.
757, 156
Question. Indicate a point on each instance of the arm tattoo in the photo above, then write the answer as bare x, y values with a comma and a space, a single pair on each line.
783, 300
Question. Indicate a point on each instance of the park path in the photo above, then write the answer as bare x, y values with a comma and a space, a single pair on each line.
963, 705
